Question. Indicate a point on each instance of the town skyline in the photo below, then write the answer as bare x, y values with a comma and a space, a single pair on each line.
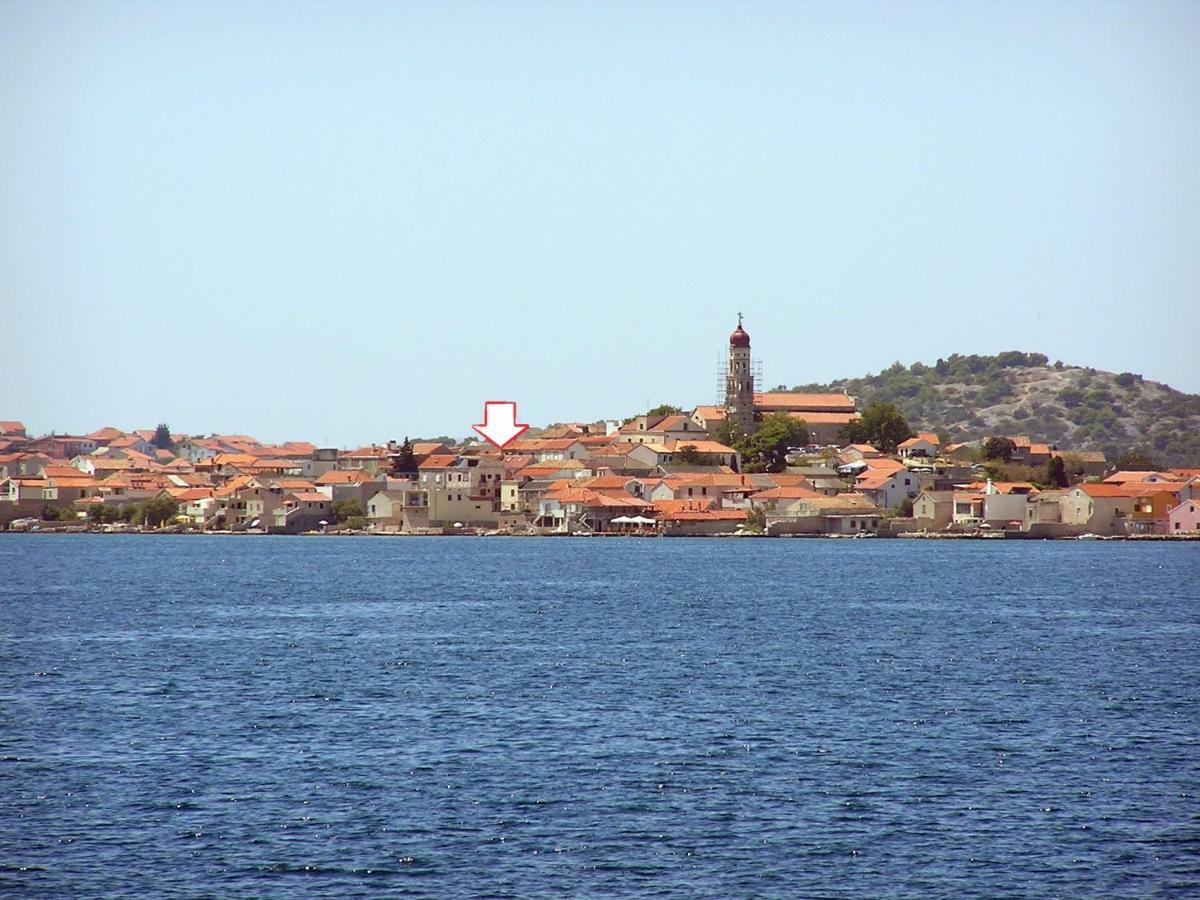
371, 431
564, 205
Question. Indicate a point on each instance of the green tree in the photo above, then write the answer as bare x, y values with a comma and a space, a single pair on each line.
756, 520
767, 448
404, 462
345, 509
1136, 460
103, 513
689, 455
1056, 472
729, 434
665, 409
162, 438
156, 511
880, 425
1000, 448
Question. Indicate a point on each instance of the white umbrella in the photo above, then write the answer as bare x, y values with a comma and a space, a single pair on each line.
623, 520
641, 520
322, 522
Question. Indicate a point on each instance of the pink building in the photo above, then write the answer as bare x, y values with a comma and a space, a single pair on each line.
1184, 518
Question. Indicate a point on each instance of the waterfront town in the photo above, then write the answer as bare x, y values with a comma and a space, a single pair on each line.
667, 472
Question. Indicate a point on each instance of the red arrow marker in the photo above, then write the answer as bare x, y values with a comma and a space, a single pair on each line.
500, 425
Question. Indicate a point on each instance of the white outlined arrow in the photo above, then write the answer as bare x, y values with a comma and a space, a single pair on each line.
500, 425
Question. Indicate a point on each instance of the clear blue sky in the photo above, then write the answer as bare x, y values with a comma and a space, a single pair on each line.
355, 221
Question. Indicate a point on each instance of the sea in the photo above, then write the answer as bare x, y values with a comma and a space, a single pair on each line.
229, 716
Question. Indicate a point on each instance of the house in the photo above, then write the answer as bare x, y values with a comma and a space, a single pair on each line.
105, 436
403, 506
10, 428
1043, 509
1088, 463
933, 510
844, 514
1184, 518
1130, 477
925, 446
1100, 508
22, 497
569, 508
465, 489
968, 508
678, 521
662, 430
196, 450
301, 511
1005, 502
61, 446
887, 488
1152, 503
348, 484
371, 459
857, 453
197, 503
772, 499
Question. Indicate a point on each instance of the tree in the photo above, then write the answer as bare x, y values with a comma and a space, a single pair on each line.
103, 513
880, 425
345, 509
689, 455
1056, 472
1136, 460
767, 448
1000, 448
664, 409
404, 462
162, 437
156, 511
729, 434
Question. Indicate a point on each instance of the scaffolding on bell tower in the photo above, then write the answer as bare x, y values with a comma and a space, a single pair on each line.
722, 370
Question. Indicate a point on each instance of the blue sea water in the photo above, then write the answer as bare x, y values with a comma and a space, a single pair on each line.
442, 717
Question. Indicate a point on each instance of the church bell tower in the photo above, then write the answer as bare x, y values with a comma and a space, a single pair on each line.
739, 381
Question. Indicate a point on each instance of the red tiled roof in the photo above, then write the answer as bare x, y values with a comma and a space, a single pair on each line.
344, 476
804, 402
1103, 490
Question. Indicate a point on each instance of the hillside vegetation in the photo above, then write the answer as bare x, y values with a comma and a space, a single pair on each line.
1014, 393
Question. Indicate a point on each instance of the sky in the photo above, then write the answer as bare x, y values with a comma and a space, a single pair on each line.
348, 222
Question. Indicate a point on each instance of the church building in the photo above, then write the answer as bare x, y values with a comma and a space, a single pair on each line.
825, 414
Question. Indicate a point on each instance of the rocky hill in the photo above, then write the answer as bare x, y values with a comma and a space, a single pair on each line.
970, 397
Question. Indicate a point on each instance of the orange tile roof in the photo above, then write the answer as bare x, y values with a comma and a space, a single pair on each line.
928, 436
825, 418
309, 497
708, 515
1103, 490
788, 492
438, 461
702, 446
689, 504
1145, 488
344, 476
1124, 476
802, 402
1009, 487
425, 448
884, 464
11, 426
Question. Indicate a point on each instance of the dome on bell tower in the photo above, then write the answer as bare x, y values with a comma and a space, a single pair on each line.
739, 337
